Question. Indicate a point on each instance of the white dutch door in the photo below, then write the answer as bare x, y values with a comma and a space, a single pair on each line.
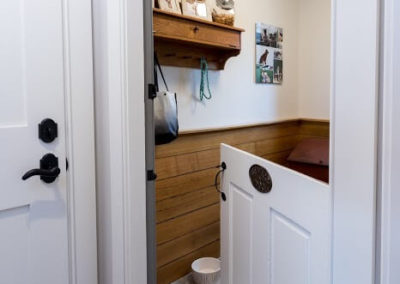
33, 212
280, 237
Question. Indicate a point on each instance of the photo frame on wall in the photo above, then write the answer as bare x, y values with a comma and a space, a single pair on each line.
169, 6
197, 8
269, 54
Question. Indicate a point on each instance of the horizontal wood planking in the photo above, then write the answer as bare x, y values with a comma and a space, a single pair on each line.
187, 204
192, 143
183, 204
178, 185
186, 163
175, 270
314, 128
275, 145
186, 244
188, 223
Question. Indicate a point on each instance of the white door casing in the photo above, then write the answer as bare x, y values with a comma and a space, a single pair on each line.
46, 235
79, 105
388, 254
280, 237
120, 140
353, 160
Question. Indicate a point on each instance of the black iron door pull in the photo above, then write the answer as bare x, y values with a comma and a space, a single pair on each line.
222, 168
48, 171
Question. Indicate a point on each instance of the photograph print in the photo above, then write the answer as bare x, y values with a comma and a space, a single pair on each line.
269, 55
197, 8
264, 64
278, 66
169, 6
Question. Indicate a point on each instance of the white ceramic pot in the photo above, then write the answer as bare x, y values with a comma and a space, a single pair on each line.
206, 270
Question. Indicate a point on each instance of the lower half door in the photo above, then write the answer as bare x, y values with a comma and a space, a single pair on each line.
276, 223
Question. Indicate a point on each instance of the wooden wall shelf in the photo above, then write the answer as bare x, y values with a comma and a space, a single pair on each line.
181, 41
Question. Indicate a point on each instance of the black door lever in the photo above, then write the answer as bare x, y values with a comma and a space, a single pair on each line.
48, 170
52, 173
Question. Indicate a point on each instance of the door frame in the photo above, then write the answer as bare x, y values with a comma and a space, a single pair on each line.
355, 83
79, 125
120, 140
388, 246
353, 246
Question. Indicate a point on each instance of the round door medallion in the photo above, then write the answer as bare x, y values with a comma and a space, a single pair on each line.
260, 178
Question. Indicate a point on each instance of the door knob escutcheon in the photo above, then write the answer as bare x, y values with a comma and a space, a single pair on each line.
48, 130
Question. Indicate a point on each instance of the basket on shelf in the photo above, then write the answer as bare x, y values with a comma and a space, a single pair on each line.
223, 18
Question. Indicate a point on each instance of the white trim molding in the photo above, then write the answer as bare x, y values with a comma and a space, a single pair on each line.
120, 141
79, 112
354, 111
389, 235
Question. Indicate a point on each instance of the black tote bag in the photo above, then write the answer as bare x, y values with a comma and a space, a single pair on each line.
165, 111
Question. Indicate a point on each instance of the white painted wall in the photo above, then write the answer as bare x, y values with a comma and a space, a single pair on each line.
314, 59
237, 100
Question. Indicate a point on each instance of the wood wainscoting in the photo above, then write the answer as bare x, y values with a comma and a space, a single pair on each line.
187, 202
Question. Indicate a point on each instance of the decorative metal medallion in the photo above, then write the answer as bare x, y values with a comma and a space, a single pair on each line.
260, 178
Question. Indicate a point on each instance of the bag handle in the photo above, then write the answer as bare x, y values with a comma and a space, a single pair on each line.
157, 65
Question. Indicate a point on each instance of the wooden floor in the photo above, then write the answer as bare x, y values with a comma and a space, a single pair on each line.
187, 203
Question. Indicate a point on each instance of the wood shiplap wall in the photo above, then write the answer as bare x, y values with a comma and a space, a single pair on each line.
187, 203
313, 128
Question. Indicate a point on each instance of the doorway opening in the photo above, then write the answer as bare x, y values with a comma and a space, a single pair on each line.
285, 123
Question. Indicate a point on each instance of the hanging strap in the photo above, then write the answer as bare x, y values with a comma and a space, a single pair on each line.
204, 77
157, 65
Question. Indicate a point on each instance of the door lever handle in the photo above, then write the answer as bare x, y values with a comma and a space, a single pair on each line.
48, 171
51, 173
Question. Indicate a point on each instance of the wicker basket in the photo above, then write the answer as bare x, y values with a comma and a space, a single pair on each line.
224, 19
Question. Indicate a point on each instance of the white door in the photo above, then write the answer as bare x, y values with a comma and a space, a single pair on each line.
33, 214
280, 237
